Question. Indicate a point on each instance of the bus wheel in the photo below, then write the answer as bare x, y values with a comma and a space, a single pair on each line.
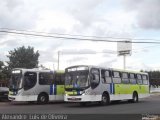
43, 98
105, 99
135, 97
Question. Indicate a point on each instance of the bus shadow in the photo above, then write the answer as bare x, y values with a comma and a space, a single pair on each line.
96, 104
72, 105
4, 100
33, 103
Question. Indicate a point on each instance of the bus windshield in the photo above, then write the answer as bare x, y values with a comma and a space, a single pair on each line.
77, 77
16, 80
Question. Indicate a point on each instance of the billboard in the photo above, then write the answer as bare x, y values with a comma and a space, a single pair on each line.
124, 47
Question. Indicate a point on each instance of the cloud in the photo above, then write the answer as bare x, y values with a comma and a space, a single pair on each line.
77, 51
17, 15
78, 17
11, 5
3, 56
77, 59
108, 52
10, 42
84, 11
147, 12
108, 64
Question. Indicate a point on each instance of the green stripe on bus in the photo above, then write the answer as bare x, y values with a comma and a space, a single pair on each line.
129, 88
60, 89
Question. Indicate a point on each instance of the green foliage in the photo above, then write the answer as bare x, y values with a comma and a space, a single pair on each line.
3, 75
1, 65
23, 58
154, 77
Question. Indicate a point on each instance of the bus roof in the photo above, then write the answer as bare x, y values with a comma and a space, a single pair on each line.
33, 70
113, 69
39, 70
131, 71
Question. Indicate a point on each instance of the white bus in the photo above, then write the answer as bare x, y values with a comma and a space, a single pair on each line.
95, 84
36, 85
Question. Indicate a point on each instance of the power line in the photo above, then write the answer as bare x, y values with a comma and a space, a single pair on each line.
53, 36
122, 38
73, 38
146, 47
79, 52
106, 51
62, 34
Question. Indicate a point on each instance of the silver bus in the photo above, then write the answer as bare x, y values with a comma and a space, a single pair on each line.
37, 85
96, 84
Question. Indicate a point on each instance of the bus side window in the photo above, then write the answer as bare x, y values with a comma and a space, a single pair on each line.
125, 78
116, 77
132, 78
145, 79
139, 79
106, 76
45, 78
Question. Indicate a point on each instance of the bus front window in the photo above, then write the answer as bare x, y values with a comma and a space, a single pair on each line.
16, 80
77, 78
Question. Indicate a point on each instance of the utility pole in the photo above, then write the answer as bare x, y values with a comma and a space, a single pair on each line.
58, 60
124, 61
124, 48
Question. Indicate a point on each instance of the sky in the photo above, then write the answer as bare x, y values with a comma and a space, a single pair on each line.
136, 20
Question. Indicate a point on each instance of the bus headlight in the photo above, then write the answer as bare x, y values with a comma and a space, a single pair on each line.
82, 93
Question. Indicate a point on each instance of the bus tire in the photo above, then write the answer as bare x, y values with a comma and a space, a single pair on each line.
43, 98
135, 97
105, 99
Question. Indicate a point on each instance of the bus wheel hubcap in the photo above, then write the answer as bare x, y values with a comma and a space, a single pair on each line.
104, 99
135, 98
43, 98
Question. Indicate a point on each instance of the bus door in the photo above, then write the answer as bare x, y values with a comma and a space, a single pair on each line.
133, 82
139, 82
117, 82
46, 84
125, 86
95, 78
107, 81
30, 82
145, 83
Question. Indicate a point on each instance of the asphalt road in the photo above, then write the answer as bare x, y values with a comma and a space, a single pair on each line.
150, 105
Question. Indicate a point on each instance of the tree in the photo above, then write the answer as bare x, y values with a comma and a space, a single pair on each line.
3, 75
23, 58
154, 78
1, 65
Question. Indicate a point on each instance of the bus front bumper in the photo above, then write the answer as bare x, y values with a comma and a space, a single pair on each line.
22, 98
82, 98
